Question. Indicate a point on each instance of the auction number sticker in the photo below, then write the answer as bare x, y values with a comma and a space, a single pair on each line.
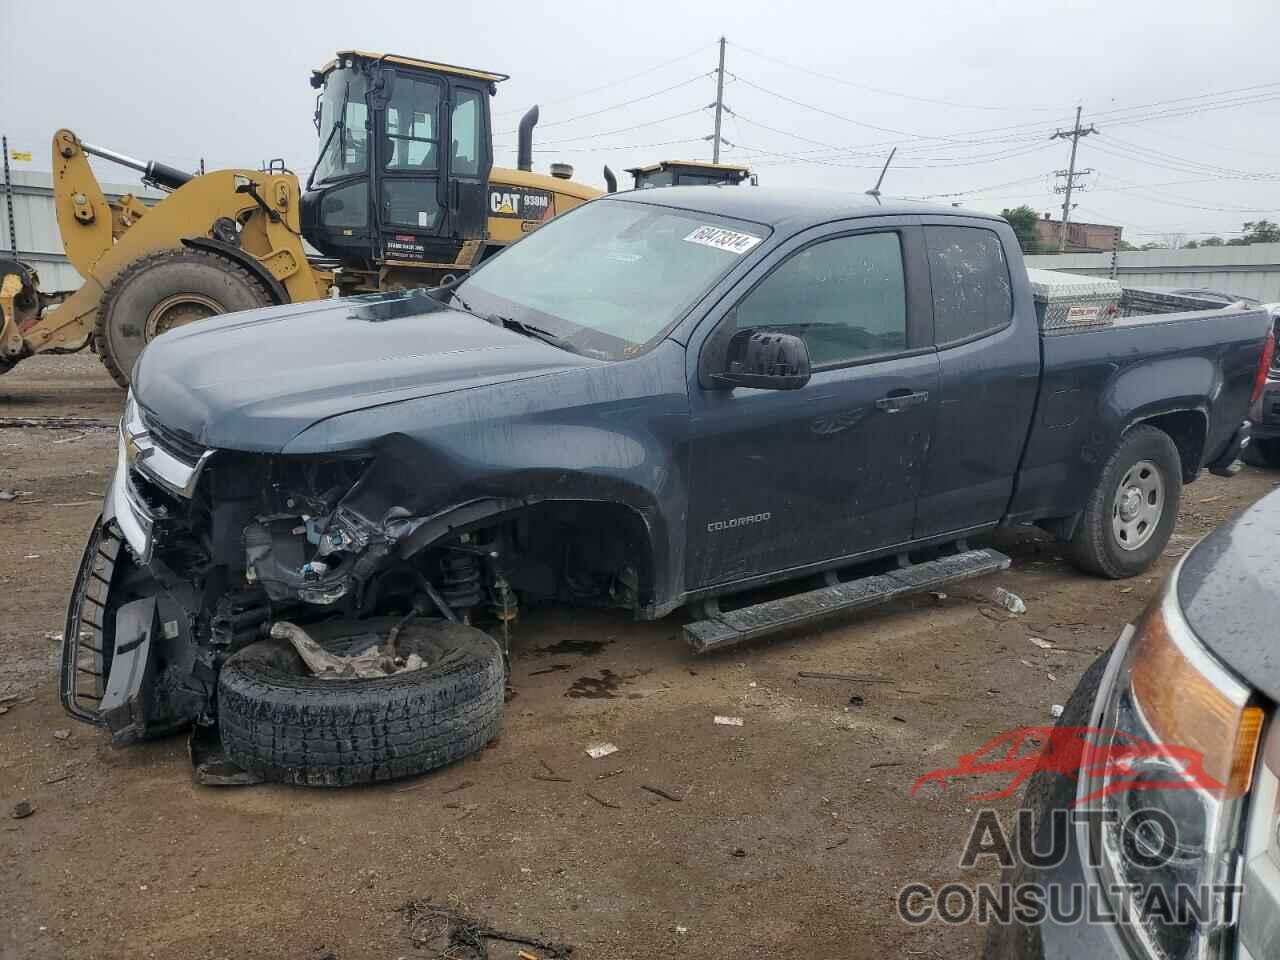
731, 241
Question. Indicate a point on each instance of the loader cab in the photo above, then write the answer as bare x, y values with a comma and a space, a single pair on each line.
688, 173
405, 150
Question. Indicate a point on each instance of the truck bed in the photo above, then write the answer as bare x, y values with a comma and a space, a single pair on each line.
1194, 369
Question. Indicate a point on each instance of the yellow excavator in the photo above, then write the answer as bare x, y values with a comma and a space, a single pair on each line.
404, 194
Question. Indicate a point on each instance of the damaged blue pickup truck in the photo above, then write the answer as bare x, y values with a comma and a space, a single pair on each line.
662, 398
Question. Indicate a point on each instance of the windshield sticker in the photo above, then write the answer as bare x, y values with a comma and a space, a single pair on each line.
731, 241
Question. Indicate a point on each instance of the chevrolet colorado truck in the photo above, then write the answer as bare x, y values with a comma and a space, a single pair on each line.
662, 398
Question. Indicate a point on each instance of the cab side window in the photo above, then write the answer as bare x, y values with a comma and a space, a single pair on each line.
846, 297
465, 128
972, 293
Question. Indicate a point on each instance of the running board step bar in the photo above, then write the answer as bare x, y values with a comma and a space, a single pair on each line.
729, 628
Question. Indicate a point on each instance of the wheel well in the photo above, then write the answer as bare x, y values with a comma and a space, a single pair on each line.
1187, 429
565, 548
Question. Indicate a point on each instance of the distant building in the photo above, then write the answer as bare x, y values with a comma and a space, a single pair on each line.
35, 224
1081, 237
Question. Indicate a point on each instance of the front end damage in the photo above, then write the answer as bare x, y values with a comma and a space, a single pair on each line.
198, 552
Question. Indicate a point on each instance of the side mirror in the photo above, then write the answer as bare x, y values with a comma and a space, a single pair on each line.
765, 360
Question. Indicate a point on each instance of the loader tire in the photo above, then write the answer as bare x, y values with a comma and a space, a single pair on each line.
1132, 509
164, 290
282, 723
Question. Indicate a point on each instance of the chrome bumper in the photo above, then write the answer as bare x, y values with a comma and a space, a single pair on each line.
139, 452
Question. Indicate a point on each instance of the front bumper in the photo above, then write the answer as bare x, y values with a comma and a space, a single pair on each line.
107, 664
1053, 939
142, 460
1265, 412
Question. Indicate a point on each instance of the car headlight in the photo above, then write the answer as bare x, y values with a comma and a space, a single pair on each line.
1171, 764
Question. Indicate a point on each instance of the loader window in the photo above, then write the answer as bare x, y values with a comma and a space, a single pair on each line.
344, 138
413, 126
465, 129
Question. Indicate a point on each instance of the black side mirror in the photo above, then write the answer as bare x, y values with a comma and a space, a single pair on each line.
766, 360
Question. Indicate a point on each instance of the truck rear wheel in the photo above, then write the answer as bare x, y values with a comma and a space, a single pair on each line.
1262, 453
1132, 509
164, 290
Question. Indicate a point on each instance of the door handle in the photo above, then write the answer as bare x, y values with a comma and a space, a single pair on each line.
899, 400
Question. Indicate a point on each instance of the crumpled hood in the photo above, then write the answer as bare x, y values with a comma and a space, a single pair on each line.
254, 380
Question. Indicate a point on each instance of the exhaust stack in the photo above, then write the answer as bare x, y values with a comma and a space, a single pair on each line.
524, 142
610, 179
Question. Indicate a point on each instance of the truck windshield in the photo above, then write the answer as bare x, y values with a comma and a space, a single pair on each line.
610, 277
344, 141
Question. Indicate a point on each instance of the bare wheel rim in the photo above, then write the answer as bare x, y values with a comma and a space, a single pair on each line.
1138, 505
179, 310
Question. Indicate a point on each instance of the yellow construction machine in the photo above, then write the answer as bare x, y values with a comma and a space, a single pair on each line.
404, 194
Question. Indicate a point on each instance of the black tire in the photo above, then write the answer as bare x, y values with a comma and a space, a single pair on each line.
1262, 453
126, 323
285, 725
1095, 547
1045, 791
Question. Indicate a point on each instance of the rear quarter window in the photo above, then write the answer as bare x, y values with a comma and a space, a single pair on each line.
972, 292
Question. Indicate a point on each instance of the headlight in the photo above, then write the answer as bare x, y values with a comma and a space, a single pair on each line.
1172, 764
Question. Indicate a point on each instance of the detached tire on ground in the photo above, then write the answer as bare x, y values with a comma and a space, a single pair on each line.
1262, 453
285, 725
1131, 512
164, 290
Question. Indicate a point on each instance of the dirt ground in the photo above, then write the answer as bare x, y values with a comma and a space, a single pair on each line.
790, 835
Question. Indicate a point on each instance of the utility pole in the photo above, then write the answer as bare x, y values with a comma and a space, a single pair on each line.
8, 196
715, 149
1074, 134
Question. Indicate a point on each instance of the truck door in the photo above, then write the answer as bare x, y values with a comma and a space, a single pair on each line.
989, 360
782, 479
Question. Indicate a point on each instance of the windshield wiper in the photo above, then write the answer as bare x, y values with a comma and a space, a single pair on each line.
529, 330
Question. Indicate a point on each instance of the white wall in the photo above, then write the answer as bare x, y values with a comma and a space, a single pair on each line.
36, 224
1250, 271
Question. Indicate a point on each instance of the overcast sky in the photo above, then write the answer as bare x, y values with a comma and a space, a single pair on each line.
970, 92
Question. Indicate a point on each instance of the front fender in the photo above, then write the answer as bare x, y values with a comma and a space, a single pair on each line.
613, 434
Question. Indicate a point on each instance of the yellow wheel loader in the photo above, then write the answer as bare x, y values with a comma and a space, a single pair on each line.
404, 194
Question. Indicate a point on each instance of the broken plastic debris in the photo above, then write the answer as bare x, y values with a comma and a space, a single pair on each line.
728, 721
1056, 711
1042, 643
1010, 601
596, 751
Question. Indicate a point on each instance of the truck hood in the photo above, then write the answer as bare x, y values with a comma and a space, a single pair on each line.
254, 380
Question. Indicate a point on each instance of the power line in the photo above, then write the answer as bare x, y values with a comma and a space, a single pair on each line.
881, 90
616, 106
624, 146
1208, 167
613, 83
636, 126
1200, 96
996, 186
